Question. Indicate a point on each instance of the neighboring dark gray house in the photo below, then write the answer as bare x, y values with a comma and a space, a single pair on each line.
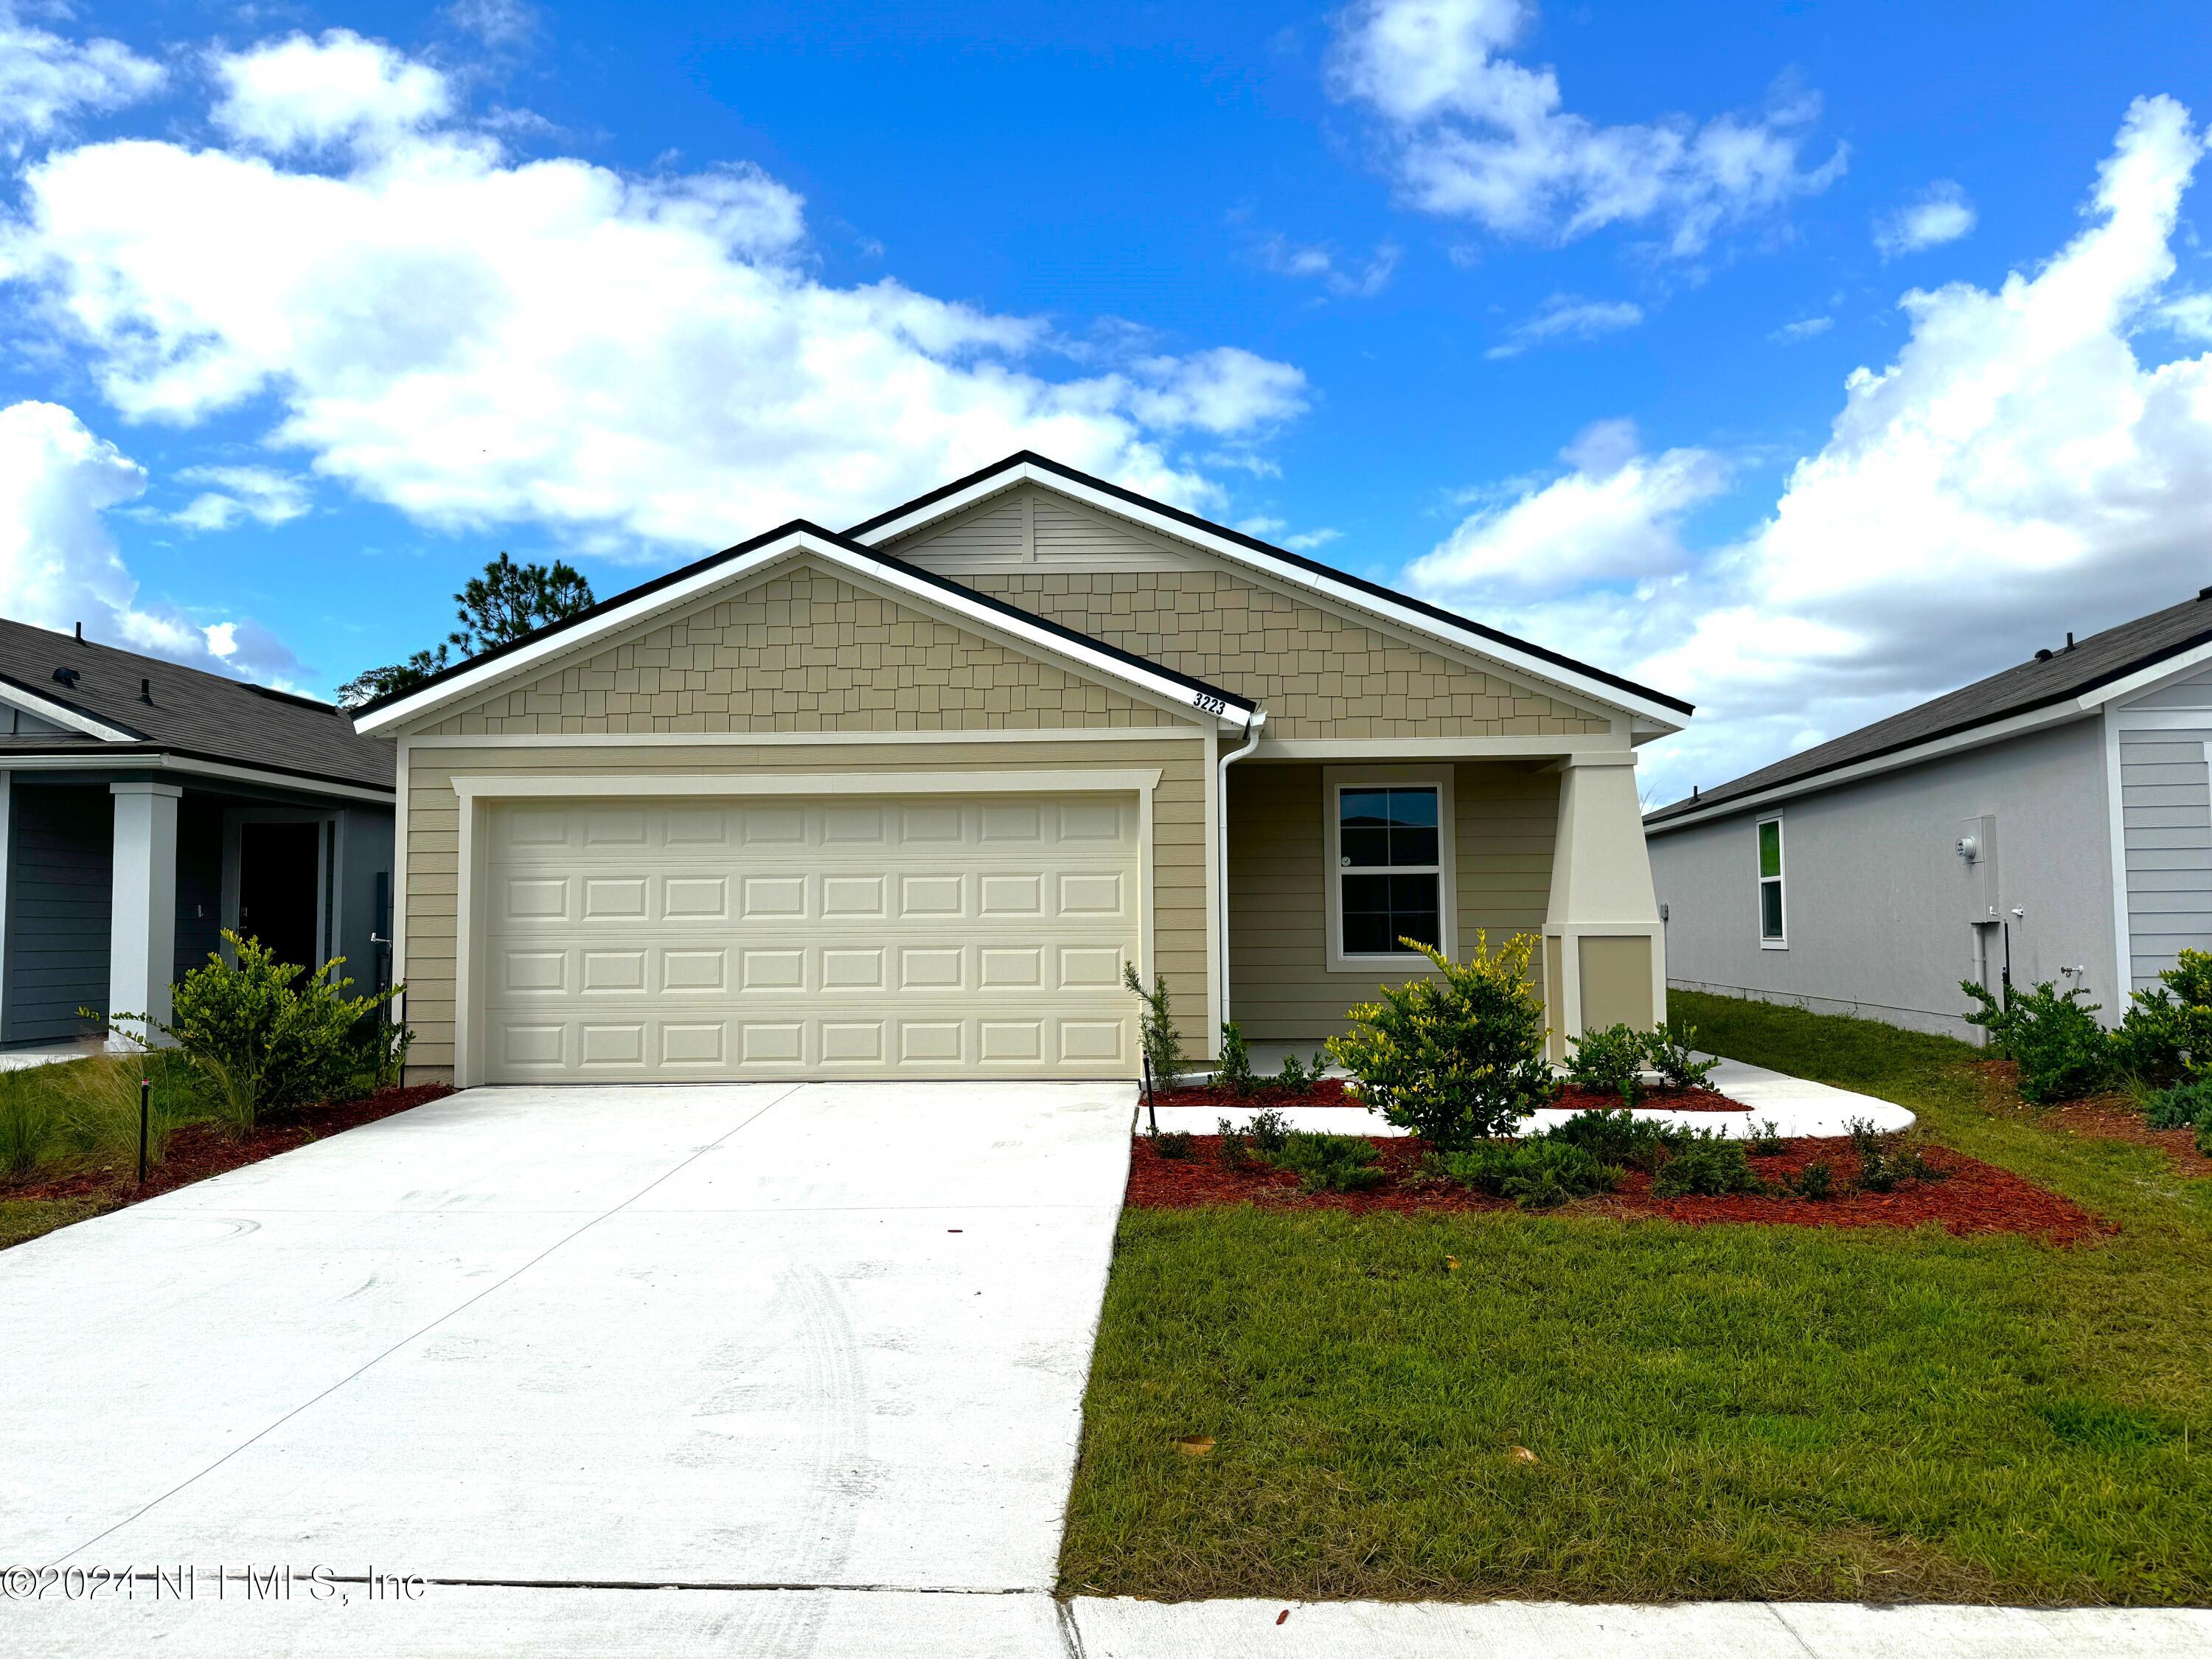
2058, 815
144, 806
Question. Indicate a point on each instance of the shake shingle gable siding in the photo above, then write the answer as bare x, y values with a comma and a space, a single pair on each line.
192, 713
2069, 671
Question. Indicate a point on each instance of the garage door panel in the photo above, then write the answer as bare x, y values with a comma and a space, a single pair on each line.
901, 937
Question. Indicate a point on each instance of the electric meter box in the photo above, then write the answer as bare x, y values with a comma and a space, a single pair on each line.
1977, 850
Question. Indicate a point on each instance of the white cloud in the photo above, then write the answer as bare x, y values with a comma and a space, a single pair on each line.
241, 492
1271, 530
1615, 513
640, 365
1939, 213
2017, 471
1473, 134
1566, 317
44, 79
303, 94
1306, 541
1805, 328
59, 566
1313, 263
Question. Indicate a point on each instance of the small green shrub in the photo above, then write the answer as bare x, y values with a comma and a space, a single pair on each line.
1230, 1146
1296, 1076
1816, 1181
2181, 1106
269, 1035
1235, 1072
1173, 1143
1607, 1062
2150, 1047
1614, 1137
1670, 1051
1709, 1165
1268, 1132
1156, 1026
2204, 1135
1330, 1163
1540, 1173
2062, 1053
1456, 1057
1767, 1140
1887, 1161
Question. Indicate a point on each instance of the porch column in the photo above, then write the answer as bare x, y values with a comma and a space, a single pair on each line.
1604, 951
142, 938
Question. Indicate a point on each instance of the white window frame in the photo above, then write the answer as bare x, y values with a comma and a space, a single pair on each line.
1335, 780
1781, 880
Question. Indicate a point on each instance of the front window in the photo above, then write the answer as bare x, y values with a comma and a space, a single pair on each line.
1770, 917
1390, 881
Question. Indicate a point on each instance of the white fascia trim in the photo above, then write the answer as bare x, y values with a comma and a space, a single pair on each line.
69, 719
474, 681
574, 740
1442, 748
470, 787
157, 762
1978, 736
1662, 719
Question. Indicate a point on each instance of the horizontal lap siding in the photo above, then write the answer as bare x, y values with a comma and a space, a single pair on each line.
58, 900
1281, 986
2165, 808
433, 829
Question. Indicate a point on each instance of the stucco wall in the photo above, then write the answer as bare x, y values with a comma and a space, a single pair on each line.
1319, 675
1878, 900
1506, 819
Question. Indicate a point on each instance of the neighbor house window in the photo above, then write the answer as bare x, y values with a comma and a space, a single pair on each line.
1388, 839
1771, 934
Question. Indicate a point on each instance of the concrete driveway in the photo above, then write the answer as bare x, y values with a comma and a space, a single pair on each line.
810, 1348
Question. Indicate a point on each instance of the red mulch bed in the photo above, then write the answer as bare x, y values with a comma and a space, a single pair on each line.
1975, 1198
1333, 1092
197, 1150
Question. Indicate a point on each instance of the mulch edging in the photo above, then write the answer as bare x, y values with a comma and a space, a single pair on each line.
1332, 1091
1974, 1197
2116, 1118
197, 1150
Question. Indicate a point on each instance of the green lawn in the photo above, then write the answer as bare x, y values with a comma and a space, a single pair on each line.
1726, 1411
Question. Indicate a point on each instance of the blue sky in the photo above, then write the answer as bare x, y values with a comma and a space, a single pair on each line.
309, 311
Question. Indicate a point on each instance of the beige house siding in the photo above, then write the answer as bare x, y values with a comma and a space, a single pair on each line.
805, 650
1281, 989
431, 828
1317, 673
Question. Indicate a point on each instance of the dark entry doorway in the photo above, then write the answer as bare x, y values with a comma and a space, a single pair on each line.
279, 898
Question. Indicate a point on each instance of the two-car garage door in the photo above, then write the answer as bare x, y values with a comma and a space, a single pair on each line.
901, 936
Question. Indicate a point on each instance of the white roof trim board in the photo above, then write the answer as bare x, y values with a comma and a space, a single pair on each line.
62, 714
876, 532
476, 678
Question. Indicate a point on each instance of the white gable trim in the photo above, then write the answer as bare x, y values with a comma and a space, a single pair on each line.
1343, 593
474, 681
61, 714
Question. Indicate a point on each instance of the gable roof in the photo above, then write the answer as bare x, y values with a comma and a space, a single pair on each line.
192, 714
2061, 684
664, 592
1027, 466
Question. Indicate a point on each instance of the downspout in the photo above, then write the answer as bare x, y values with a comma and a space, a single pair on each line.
1252, 724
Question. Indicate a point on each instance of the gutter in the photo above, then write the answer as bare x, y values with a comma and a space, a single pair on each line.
1221, 853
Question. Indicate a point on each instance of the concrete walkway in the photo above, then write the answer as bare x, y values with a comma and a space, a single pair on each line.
1793, 1105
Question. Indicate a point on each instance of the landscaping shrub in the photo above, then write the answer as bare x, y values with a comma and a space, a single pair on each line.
1268, 1132
1767, 1139
1173, 1143
2062, 1053
1456, 1058
2149, 1045
1230, 1144
1296, 1076
1607, 1062
2204, 1135
268, 1035
1330, 1163
1235, 1072
1670, 1051
1540, 1173
1616, 1137
1816, 1181
2181, 1106
1156, 1026
1709, 1166
1885, 1161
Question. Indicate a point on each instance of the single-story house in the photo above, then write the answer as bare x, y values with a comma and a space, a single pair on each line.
2053, 821
145, 806
904, 801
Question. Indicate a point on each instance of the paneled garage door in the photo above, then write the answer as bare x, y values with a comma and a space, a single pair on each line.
910, 936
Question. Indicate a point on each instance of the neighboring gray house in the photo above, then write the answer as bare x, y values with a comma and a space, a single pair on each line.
2057, 815
144, 806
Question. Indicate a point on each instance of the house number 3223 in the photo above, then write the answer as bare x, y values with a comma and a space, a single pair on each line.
1206, 702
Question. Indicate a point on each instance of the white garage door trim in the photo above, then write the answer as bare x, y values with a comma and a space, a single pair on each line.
476, 790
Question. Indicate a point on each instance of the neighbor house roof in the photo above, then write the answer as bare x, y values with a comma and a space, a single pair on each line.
116, 706
1027, 466
2061, 684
